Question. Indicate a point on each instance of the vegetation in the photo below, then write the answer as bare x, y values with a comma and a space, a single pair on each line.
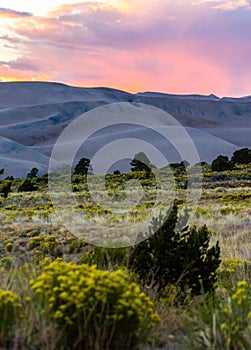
96, 309
181, 288
141, 163
5, 189
221, 163
10, 309
32, 174
27, 185
82, 167
242, 156
181, 258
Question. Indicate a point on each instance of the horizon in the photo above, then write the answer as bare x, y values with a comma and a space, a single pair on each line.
187, 47
133, 93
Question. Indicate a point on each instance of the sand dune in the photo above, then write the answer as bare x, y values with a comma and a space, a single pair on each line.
17, 159
33, 115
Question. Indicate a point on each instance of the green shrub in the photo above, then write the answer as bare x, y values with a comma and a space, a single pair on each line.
6, 262
242, 156
96, 309
10, 309
221, 323
173, 257
27, 185
45, 243
107, 258
76, 245
221, 163
5, 188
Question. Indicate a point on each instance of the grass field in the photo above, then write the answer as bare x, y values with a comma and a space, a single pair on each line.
32, 230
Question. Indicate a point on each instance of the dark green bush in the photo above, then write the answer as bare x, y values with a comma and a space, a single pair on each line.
32, 174
180, 258
221, 163
242, 156
27, 185
82, 167
5, 188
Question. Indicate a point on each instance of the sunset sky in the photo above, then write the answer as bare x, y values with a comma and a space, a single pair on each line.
182, 46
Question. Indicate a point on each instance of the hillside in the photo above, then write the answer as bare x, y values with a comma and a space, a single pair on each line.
33, 115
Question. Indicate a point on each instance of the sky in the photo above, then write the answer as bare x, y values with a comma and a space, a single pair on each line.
182, 46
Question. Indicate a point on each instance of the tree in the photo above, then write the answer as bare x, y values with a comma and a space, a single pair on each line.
1, 171
26, 186
140, 162
184, 163
182, 257
11, 178
82, 167
5, 188
242, 156
201, 163
221, 163
32, 174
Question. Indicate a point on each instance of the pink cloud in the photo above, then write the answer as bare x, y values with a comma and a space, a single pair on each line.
226, 5
8, 13
171, 48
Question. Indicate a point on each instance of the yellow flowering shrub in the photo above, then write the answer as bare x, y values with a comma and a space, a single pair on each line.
236, 318
232, 270
95, 308
9, 246
223, 323
10, 309
45, 243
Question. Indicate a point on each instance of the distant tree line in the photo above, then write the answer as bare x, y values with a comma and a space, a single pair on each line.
139, 164
221, 163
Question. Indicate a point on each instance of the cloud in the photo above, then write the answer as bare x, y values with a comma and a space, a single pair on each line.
232, 5
12, 40
22, 64
226, 5
168, 46
97, 25
8, 13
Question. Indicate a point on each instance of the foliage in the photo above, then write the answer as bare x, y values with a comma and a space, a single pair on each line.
232, 270
10, 309
180, 174
140, 162
107, 258
9, 247
27, 185
96, 309
221, 163
5, 188
180, 258
32, 174
224, 207
221, 322
82, 167
45, 243
242, 156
